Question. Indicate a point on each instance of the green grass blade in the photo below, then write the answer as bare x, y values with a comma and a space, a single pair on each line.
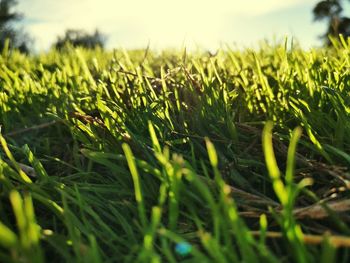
137, 184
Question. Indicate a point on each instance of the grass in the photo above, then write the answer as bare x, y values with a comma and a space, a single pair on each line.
240, 156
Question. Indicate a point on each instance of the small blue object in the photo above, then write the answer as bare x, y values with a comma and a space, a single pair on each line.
183, 248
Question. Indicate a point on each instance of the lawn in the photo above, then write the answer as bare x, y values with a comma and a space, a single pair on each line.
175, 156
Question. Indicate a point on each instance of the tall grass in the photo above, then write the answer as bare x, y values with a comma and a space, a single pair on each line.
175, 157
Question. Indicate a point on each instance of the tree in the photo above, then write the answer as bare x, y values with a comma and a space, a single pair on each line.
81, 38
17, 38
331, 10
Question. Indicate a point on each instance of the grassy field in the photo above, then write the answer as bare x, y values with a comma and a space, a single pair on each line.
138, 156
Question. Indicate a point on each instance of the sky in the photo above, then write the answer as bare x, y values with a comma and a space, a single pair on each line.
174, 23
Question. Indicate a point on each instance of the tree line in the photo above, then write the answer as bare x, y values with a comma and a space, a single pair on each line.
331, 11
18, 39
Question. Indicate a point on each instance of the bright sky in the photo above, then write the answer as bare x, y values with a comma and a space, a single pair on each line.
173, 23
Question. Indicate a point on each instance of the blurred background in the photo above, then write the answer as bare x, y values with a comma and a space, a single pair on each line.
38, 25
